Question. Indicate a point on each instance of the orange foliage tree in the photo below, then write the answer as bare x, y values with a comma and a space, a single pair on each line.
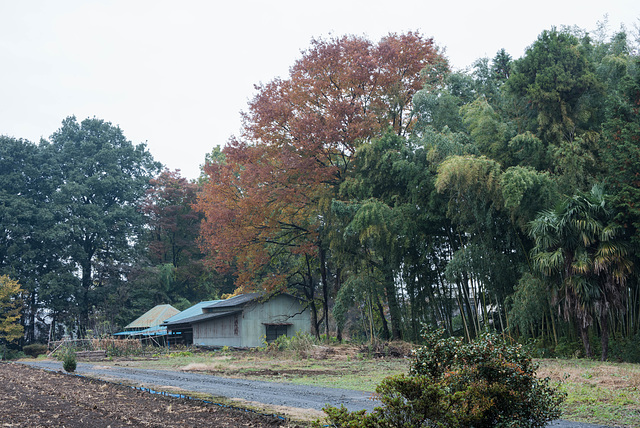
266, 204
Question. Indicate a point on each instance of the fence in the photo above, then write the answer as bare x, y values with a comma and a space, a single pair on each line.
112, 347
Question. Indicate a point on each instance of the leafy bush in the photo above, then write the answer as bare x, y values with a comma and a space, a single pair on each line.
568, 349
35, 349
69, 361
485, 383
10, 353
625, 349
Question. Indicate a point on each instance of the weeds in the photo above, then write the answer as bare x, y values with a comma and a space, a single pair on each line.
300, 344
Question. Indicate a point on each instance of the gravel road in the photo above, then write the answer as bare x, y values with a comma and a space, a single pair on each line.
269, 393
273, 393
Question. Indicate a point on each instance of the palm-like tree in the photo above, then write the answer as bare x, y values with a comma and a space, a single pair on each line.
581, 250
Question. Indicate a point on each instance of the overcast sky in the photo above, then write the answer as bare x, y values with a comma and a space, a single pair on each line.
176, 74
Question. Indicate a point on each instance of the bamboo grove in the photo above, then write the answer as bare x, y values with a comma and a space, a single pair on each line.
381, 187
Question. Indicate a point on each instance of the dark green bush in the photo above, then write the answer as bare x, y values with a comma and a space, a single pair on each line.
35, 349
625, 349
485, 383
568, 349
10, 353
69, 361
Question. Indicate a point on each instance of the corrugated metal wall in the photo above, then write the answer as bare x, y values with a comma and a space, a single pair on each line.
223, 331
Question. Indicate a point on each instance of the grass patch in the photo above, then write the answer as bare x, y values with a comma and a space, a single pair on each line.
598, 393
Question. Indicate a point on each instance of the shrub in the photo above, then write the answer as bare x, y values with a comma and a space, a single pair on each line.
69, 361
625, 349
485, 383
568, 349
10, 353
35, 349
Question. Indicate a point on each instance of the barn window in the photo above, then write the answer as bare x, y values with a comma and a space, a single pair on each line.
275, 330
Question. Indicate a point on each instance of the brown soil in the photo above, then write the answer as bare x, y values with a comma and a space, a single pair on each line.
37, 398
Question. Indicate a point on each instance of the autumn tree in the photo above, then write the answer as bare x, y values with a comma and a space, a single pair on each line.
10, 306
174, 225
173, 269
266, 206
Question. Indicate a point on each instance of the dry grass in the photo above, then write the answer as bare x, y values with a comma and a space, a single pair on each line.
605, 375
601, 393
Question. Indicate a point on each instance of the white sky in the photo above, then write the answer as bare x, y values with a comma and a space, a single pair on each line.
176, 74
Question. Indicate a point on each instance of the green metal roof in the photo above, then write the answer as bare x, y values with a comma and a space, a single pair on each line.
153, 317
202, 318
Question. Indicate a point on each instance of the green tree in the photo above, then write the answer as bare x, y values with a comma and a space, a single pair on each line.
103, 177
621, 136
557, 77
437, 107
30, 247
502, 66
487, 130
581, 249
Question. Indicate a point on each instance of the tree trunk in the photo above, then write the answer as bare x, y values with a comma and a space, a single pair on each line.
385, 326
392, 300
604, 334
314, 319
584, 335
337, 286
52, 329
309, 291
31, 327
325, 291
553, 324
85, 303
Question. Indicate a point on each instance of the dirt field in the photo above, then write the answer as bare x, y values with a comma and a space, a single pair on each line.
36, 398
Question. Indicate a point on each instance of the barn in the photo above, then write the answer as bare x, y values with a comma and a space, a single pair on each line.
182, 332
245, 321
147, 326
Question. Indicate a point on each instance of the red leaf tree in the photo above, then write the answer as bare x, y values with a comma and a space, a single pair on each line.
266, 206
174, 229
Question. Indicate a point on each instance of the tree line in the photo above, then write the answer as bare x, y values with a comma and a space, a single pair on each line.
95, 232
384, 189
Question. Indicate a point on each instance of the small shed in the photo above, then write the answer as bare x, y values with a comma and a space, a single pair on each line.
247, 320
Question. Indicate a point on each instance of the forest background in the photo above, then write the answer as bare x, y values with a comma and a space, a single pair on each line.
374, 183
